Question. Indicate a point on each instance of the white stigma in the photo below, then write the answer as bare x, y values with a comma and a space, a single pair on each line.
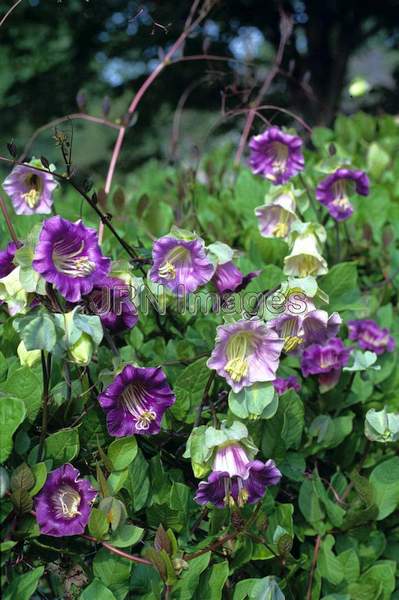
66, 502
133, 398
72, 263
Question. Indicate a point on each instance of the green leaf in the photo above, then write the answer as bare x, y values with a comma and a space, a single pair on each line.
361, 361
38, 333
341, 286
137, 483
40, 474
22, 478
12, 413
114, 510
189, 388
310, 505
328, 564
113, 571
381, 426
96, 591
23, 383
22, 587
377, 160
258, 589
212, 588
253, 401
62, 446
350, 564
90, 324
385, 481
180, 496
382, 573
98, 524
126, 536
189, 579
122, 452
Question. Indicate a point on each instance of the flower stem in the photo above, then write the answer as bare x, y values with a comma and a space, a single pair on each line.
8, 222
46, 371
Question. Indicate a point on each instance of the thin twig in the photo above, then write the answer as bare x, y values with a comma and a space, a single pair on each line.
111, 548
212, 547
3, 20
313, 567
46, 372
190, 25
66, 118
286, 29
204, 397
8, 222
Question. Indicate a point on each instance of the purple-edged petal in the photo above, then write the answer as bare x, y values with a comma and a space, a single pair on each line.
6, 259
30, 190
180, 265
111, 301
68, 256
64, 503
275, 219
370, 336
227, 278
282, 385
246, 352
334, 191
136, 400
276, 155
213, 490
259, 477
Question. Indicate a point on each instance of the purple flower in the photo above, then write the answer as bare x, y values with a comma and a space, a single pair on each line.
246, 352
136, 401
7, 258
69, 257
181, 265
227, 278
63, 505
275, 219
30, 190
334, 190
235, 479
276, 155
282, 385
307, 327
370, 336
326, 361
111, 301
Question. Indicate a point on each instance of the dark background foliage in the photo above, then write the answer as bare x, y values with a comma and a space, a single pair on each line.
53, 50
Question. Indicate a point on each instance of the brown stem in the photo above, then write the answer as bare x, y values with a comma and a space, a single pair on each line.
8, 222
313, 567
286, 28
72, 116
3, 20
111, 548
46, 371
204, 397
212, 547
190, 25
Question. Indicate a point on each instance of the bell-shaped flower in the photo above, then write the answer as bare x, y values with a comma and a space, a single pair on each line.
305, 257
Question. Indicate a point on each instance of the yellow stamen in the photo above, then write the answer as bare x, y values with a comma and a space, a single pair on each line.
281, 230
31, 198
176, 257
167, 271
291, 343
236, 352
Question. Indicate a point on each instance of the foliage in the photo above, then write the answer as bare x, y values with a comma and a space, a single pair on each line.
329, 530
